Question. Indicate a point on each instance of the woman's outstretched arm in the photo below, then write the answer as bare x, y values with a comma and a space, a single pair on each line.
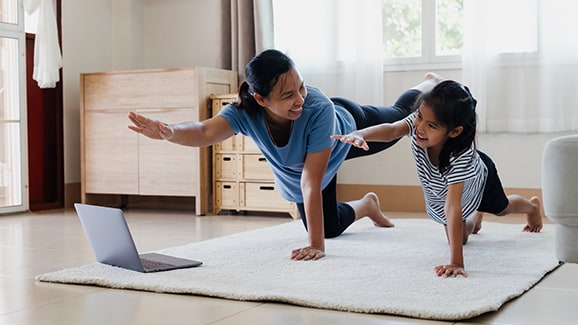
191, 133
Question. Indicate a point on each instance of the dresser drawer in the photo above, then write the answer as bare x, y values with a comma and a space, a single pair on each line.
226, 166
248, 145
130, 90
255, 167
262, 196
232, 143
227, 195
227, 145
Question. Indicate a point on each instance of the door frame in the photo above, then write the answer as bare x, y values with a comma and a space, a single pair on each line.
46, 189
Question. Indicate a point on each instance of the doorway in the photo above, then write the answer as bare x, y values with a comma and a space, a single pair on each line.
45, 135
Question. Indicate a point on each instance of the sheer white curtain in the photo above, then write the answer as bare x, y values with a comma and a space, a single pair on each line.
521, 63
336, 45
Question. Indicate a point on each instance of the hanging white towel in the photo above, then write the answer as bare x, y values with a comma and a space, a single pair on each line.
30, 6
47, 57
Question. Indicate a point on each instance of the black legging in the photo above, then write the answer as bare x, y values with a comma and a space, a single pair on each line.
337, 216
367, 115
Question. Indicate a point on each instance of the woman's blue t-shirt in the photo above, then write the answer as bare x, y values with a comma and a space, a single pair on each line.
311, 132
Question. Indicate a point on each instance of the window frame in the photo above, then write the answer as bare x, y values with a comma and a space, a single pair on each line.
16, 31
428, 59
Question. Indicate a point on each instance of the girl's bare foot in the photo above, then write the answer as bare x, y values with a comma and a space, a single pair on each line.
534, 218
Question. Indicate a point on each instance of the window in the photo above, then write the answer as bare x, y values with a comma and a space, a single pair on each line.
415, 34
430, 33
8, 12
13, 195
422, 32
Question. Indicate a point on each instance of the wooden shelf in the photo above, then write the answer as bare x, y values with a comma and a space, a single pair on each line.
242, 178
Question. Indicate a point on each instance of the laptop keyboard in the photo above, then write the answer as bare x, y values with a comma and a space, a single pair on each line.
154, 265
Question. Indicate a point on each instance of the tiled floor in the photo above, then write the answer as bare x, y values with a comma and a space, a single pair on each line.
35, 243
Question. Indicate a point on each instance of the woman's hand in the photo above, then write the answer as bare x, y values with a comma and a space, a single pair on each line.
352, 138
151, 128
450, 271
307, 254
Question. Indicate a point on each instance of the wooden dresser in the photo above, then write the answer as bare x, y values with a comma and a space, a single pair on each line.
115, 160
242, 178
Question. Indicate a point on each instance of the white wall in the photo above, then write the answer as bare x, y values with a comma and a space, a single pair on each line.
106, 35
183, 33
127, 34
103, 35
86, 47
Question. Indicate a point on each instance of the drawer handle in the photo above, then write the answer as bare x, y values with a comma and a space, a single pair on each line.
227, 158
262, 159
267, 188
228, 187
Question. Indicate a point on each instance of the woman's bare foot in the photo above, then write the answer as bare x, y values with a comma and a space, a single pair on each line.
433, 76
369, 206
430, 80
534, 218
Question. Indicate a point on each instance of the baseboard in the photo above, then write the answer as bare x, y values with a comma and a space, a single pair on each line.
405, 198
142, 201
72, 195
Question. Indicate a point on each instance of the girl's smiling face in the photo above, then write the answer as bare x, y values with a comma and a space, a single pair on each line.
430, 134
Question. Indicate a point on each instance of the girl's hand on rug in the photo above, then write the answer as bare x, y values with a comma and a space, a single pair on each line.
307, 254
450, 271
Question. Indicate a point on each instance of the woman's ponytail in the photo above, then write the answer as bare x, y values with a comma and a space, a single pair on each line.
246, 101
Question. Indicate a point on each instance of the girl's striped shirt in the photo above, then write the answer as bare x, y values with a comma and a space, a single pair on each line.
468, 167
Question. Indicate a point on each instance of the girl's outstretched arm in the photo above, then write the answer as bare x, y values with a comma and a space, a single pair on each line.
454, 232
385, 132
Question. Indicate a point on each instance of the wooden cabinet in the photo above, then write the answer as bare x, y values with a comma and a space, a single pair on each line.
242, 178
115, 160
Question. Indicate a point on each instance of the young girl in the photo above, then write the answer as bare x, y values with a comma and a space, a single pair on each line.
458, 181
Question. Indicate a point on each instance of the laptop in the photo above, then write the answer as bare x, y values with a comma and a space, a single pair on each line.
112, 243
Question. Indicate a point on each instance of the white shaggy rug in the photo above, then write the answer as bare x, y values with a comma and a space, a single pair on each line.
366, 270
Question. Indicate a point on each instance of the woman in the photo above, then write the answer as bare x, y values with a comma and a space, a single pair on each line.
291, 123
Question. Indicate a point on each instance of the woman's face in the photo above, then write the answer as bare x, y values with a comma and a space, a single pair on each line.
286, 98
